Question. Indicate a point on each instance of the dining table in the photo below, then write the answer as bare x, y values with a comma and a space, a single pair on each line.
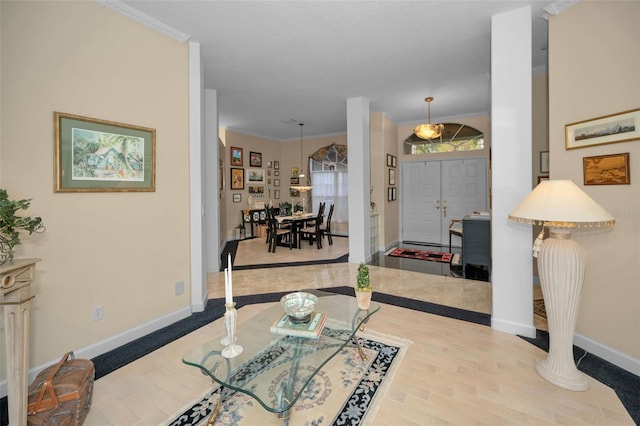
297, 222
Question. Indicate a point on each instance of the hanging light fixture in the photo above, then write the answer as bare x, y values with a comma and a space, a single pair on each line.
428, 131
300, 187
301, 174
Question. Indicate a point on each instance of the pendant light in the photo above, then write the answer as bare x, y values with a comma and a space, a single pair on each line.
428, 131
300, 187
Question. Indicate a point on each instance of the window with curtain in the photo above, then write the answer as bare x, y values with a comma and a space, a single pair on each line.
329, 178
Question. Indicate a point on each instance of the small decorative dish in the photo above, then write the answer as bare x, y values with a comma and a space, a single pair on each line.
299, 306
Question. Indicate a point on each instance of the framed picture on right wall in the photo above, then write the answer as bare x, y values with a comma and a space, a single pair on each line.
610, 169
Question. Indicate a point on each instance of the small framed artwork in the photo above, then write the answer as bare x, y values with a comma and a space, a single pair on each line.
390, 193
268, 172
276, 194
392, 177
269, 165
255, 176
294, 192
541, 178
255, 159
237, 198
389, 160
236, 156
295, 181
276, 172
276, 182
607, 169
237, 178
620, 127
294, 171
268, 181
256, 189
93, 155
276, 165
394, 161
544, 162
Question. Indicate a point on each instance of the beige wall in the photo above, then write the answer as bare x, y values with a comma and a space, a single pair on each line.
124, 251
384, 140
594, 69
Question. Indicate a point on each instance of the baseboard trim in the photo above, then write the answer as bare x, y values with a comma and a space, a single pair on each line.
513, 327
613, 356
110, 343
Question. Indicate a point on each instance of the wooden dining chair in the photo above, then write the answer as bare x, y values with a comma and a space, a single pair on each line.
275, 234
312, 232
325, 228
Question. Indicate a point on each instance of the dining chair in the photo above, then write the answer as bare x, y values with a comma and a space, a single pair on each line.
325, 228
312, 232
275, 234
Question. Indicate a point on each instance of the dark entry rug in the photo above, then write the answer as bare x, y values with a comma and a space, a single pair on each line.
433, 256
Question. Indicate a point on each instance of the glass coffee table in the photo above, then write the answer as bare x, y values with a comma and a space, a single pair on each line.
275, 369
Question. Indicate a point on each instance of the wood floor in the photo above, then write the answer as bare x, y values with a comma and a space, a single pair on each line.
455, 372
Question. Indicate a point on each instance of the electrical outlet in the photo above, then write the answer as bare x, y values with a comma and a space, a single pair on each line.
96, 313
179, 288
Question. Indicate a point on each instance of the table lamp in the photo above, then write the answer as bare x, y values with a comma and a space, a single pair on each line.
560, 206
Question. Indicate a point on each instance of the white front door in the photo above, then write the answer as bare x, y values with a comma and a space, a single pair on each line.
464, 190
435, 192
421, 201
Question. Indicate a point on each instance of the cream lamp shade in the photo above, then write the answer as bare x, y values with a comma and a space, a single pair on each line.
561, 203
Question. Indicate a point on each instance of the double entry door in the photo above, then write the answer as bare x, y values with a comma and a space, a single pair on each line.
435, 192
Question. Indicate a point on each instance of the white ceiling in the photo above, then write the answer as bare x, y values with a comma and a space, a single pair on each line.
277, 63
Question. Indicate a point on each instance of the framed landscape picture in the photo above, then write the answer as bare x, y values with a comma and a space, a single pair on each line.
255, 176
236, 156
607, 169
93, 155
620, 127
237, 178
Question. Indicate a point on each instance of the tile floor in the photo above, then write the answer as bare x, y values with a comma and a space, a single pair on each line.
455, 372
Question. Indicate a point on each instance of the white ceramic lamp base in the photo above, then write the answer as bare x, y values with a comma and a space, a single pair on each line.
561, 266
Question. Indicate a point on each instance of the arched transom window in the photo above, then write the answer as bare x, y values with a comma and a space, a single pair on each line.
455, 137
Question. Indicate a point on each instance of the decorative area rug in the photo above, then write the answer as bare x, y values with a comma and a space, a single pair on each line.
433, 256
345, 392
539, 309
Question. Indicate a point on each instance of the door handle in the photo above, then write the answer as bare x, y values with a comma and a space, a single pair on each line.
444, 210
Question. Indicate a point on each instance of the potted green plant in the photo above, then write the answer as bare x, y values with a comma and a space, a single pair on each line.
11, 224
363, 287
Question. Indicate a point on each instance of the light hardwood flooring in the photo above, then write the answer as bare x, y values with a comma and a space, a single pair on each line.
455, 372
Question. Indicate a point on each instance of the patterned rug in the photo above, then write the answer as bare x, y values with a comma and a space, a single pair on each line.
433, 256
346, 391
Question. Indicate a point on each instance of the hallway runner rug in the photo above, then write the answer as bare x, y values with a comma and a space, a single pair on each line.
433, 256
344, 392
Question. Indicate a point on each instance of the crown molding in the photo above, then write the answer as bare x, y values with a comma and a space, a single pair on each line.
136, 15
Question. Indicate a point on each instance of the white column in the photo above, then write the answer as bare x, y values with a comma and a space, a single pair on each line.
512, 273
359, 179
212, 193
196, 180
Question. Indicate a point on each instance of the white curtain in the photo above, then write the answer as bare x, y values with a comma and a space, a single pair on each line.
331, 187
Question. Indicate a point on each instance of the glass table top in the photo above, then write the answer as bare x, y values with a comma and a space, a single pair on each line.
274, 369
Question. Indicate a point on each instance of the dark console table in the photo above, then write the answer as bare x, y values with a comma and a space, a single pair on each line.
476, 242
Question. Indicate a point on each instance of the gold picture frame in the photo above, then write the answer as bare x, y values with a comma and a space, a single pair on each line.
613, 128
610, 169
94, 155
